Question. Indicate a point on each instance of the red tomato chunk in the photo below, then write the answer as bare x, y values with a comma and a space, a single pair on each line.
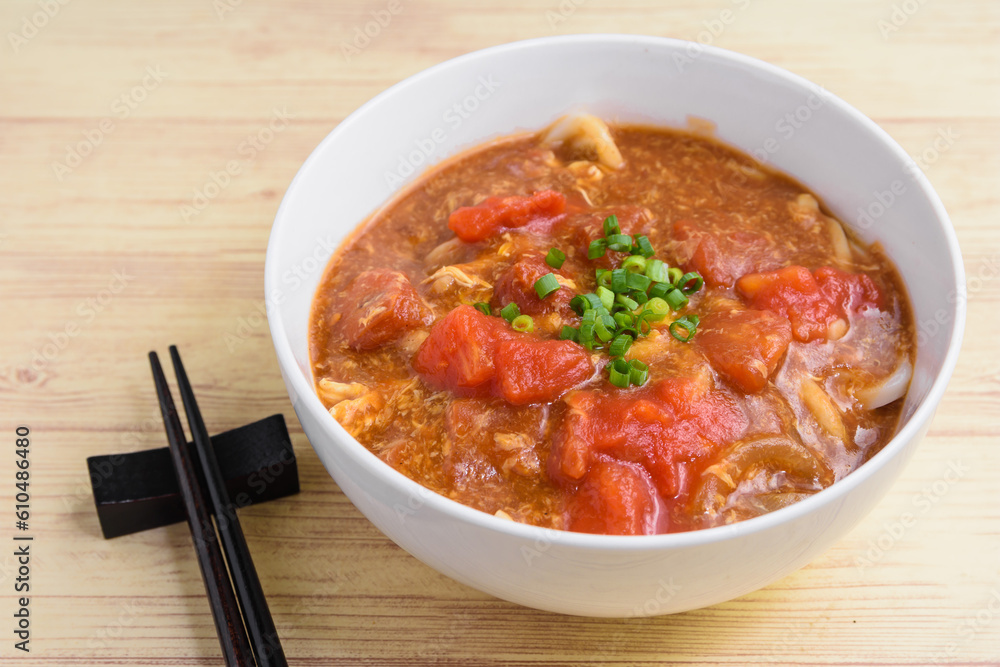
721, 257
659, 428
480, 222
379, 307
517, 284
617, 498
813, 302
745, 347
473, 354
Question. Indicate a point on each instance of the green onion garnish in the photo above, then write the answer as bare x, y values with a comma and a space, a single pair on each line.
620, 345
625, 301
611, 225
555, 258
597, 248
510, 311
618, 281
656, 271
607, 297
602, 332
483, 308
676, 299
638, 372
673, 275
546, 285
619, 242
684, 284
569, 333
523, 323
619, 373
634, 264
645, 249
656, 309
684, 328
637, 281
659, 290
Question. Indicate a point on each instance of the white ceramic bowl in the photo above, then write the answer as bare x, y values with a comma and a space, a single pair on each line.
856, 168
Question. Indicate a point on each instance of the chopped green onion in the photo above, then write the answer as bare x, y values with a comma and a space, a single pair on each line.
619, 373
611, 225
645, 248
659, 290
618, 281
638, 372
620, 345
555, 258
624, 318
619, 242
546, 285
603, 277
673, 275
676, 299
656, 309
589, 316
639, 296
597, 248
608, 320
637, 281
688, 323
523, 323
606, 296
634, 264
686, 279
656, 271
579, 304
569, 333
602, 331
593, 300
643, 323
510, 311
586, 332
625, 301
483, 308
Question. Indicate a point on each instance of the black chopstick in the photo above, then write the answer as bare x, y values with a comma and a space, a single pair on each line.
264, 636
228, 621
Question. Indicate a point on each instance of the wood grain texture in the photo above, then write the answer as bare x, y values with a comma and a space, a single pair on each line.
98, 266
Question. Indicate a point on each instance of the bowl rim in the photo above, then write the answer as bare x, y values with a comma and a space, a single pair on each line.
386, 474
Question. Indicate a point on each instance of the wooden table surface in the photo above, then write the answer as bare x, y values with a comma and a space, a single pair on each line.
114, 115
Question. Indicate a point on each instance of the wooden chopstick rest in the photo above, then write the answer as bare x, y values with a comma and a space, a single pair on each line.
132, 492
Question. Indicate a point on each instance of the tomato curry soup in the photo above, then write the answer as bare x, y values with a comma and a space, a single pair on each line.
620, 330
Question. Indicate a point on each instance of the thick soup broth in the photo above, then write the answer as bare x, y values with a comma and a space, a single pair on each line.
761, 353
